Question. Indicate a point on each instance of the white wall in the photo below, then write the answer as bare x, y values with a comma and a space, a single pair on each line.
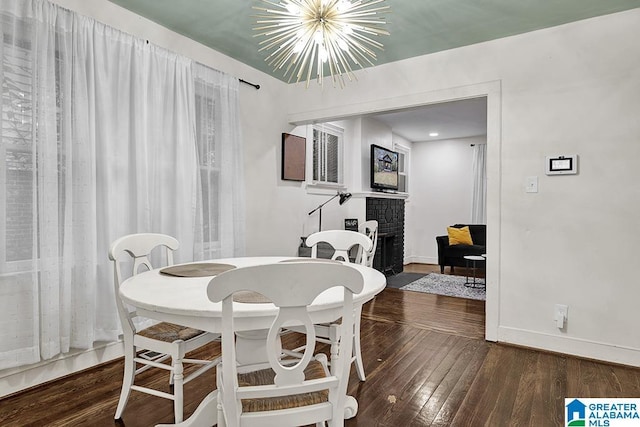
441, 193
373, 132
571, 89
411, 239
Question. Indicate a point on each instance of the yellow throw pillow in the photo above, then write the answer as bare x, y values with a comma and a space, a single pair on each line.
459, 236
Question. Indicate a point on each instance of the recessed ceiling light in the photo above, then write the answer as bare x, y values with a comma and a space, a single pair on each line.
434, 134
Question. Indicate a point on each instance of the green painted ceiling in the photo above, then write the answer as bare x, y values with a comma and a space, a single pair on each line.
417, 27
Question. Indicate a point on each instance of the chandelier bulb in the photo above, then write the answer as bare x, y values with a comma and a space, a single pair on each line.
299, 46
293, 9
343, 5
322, 54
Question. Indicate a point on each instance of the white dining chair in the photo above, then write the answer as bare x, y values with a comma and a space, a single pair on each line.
342, 241
284, 391
151, 346
370, 228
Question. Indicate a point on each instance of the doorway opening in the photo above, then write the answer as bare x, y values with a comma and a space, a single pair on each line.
490, 91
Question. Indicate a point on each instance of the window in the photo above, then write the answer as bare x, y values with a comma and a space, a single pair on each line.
326, 153
21, 165
209, 163
18, 168
404, 154
17, 165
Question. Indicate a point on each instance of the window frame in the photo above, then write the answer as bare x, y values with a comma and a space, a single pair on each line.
334, 130
210, 167
405, 154
23, 45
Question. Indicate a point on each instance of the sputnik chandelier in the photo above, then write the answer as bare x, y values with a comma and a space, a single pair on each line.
307, 36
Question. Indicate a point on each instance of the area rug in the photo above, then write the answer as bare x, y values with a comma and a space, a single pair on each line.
443, 284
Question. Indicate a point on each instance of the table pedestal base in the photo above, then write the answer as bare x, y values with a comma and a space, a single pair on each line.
251, 346
205, 415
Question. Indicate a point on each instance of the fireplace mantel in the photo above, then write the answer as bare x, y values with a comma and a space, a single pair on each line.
381, 195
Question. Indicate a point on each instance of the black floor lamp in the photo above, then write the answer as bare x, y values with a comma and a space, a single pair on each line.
343, 198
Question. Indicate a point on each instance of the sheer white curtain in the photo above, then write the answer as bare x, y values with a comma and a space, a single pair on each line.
221, 165
140, 119
479, 201
47, 181
98, 140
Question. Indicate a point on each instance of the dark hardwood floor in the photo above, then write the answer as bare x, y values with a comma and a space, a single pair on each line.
426, 361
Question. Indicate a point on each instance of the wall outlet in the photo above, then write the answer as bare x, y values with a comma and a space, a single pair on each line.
531, 185
561, 315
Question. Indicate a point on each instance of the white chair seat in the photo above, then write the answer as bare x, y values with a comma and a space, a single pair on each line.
315, 370
168, 332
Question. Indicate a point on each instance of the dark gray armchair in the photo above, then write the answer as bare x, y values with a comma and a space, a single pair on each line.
453, 255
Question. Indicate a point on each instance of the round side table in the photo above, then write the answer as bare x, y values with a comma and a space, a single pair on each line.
472, 262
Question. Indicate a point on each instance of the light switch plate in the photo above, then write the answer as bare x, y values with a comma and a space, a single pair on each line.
531, 185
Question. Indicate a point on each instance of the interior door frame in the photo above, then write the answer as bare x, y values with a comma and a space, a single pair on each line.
492, 90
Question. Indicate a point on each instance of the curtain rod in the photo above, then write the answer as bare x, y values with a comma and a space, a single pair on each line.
249, 83
241, 80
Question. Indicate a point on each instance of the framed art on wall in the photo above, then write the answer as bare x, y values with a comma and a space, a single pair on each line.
293, 157
351, 224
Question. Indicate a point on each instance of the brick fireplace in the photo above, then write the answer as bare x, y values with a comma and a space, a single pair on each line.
389, 213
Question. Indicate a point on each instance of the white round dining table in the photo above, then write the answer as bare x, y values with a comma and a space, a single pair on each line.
184, 301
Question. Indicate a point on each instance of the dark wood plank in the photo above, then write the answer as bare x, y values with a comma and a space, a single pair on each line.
588, 378
403, 366
445, 400
423, 397
457, 316
550, 384
470, 365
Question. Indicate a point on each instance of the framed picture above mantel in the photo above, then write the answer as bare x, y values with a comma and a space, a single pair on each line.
293, 157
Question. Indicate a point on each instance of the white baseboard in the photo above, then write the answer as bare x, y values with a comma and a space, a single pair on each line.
420, 260
17, 379
574, 346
